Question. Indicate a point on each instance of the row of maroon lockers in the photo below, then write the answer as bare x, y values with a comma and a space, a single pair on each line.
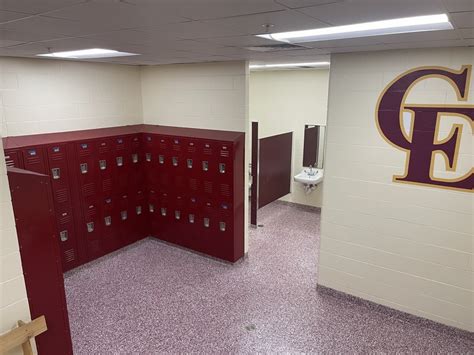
114, 186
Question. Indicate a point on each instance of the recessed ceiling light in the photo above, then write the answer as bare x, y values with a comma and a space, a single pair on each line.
367, 29
88, 54
290, 65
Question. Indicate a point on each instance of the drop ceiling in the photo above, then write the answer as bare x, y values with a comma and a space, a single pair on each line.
186, 31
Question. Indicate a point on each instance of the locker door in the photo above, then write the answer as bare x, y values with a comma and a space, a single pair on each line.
190, 221
59, 174
225, 171
34, 160
150, 160
192, 168
208, 168
205, 228
153, 212
164, 163
165, 217
178, 164
136, 173
86, 169
124, 213
13, 158
67, 238
178, 221
92, 227
139, 216
104, 167
120, 163
110, 223
223, 242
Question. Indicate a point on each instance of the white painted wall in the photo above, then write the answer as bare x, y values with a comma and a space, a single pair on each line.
405, 246
203, 95
285, 100
42, 96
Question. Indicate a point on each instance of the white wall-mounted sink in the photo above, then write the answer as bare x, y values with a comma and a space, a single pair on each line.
310, 176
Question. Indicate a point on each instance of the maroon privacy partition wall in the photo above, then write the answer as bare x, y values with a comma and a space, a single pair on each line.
40, 256
274, 167
114, 186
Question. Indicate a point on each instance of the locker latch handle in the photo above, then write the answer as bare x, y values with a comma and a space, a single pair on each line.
175, 161
138, 210
177, 215
103, 164
189, 163
206, 222
90, 227
135, 158
151, 207
205, 165
84, 168
148, 157
191, 218
56, 173
123, 215
163, 211
222, 226
161, 159
63, 235
222, 168
108, 220
119, 161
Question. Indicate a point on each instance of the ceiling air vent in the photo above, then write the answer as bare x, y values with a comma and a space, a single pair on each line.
275, 47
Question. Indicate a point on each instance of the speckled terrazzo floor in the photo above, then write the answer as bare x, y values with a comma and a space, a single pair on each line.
155, 298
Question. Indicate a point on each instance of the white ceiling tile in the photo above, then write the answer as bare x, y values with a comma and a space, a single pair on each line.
350, 42
6, 16
133, 37
191, 30
36, 6
429, 44
420, 36
379, 47
459, 5
239, 41
467, 33
305, 3
8, 43
26, 36
117, 14
49, 25
463, 19
282, 21
210, 9
357, 11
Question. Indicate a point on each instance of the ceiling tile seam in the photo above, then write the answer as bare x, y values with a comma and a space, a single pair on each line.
237, 16
304, 7
325, 22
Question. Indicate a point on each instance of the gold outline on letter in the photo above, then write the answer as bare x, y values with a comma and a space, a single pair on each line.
409, 137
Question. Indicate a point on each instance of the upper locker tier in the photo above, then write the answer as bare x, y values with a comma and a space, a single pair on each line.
182, 185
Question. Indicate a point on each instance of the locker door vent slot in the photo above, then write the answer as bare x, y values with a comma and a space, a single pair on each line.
64, 218
70, 255
88, 189
107, 185
61, 195
208, 187
225, 190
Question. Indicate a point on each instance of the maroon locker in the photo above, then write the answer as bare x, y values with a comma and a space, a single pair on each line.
86, 169
153, 212
13, 158
104, 167
124, 213
136, 173
34, 160
139, 216
92, 227
120, 161
149, 160
110, 225
35, 224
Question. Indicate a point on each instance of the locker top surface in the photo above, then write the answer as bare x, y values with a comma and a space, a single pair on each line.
71, 136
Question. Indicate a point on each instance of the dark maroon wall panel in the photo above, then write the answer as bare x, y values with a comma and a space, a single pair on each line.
112, 187
311, 145
254, 170
274, 176
37, 236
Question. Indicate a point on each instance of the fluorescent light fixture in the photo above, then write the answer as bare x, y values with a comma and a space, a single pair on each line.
88, 54
289, 65
367, 29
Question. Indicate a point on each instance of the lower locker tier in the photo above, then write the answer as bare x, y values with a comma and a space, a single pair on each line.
115, 186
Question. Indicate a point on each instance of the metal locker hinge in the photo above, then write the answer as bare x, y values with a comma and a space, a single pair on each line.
123, 215
103, 164
108, 220
119, 161
56, 173
84, 168
63, 235
90, 227
206, 222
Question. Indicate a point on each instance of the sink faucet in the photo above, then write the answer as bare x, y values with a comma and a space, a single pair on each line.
311, 172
